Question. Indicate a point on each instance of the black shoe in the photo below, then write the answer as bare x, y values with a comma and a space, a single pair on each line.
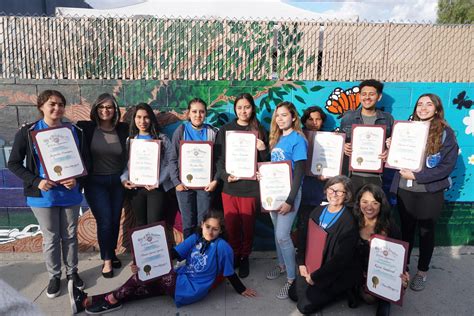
236, 262
116, 263
76, 297
353, 298
107, 275
244, 267
103, 307
54, 287
77, 280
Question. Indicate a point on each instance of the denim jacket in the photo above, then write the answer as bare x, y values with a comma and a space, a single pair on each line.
355, 117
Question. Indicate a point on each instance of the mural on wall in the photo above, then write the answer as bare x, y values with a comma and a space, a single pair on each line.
169, 100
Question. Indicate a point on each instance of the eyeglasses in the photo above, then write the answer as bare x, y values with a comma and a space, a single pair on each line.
335, 192
104, 107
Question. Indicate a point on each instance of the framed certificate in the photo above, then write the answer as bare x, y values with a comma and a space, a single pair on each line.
275, 184
367, 144
327, 154
407, 149
144, 162
387, 261
58, 153
241, 154
195, 164
150, 251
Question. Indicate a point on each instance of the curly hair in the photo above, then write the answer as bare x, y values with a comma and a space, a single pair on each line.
384, 219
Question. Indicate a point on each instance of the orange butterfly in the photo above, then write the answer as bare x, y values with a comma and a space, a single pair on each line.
341, 100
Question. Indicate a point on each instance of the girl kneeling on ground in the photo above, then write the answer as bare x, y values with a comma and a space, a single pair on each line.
188, 284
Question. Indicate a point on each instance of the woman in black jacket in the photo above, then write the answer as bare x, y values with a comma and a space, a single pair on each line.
105, 137
337, 274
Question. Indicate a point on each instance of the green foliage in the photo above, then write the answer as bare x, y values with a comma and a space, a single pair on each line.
455, 11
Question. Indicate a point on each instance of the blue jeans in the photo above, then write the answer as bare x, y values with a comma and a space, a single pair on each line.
282, 225
105, 196
193, 205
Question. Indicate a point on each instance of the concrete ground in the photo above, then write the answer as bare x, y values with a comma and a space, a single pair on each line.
449, 291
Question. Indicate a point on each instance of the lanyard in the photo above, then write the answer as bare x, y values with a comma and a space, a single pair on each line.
333, 220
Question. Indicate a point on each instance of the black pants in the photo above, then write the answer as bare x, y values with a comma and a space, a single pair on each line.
420, 209
359, 181
148, 206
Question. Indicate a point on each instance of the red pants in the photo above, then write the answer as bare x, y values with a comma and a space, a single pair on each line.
239, 215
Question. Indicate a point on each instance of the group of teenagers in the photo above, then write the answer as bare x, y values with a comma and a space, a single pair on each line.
217, 244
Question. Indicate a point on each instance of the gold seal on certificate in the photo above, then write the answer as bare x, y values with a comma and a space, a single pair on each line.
195, 163
150, 251
368, 143
327, 154
407, 148
58, 153
241, 154
387, 261
275, 184
144, 163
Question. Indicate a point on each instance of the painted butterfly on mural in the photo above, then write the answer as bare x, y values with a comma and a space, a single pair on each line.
342, 100
462, 101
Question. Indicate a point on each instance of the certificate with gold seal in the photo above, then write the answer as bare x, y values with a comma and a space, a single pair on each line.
275, 184
195, 163
144, 162
150, 251
387, 261
241, 154
327, 154
58, 153
368, 143
407, 148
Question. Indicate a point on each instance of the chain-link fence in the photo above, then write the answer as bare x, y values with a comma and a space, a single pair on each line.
191, 49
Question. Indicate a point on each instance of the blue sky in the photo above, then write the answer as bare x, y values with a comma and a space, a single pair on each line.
383, 10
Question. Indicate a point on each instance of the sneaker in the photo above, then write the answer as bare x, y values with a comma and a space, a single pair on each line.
77, 280
76, 297
244, 267
54, 287
283, 294
275, 273
418, 283
102, 308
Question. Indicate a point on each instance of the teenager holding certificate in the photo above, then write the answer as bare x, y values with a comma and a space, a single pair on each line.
338, 273
208, 257
372, 211
366, 114
54, 204
240, 197
106, 137
420, 195
193, 203
287, 142
148, 202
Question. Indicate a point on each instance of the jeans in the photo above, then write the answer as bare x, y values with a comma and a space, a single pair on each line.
282, 225
105, 196
59, 227
193, 205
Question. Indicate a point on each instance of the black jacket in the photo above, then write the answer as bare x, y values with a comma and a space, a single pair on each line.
23, 147
122, 131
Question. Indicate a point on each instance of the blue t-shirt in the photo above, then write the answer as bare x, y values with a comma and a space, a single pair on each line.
191, 133
58, 195
290, 147
327, 219
195, 279
143, 136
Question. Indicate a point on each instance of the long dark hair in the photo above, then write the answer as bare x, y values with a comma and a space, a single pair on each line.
435, 137
384, 219
253, 122
216, 214
154, 131
104, 97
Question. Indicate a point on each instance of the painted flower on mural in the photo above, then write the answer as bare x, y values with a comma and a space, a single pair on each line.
470, 160
469, 122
